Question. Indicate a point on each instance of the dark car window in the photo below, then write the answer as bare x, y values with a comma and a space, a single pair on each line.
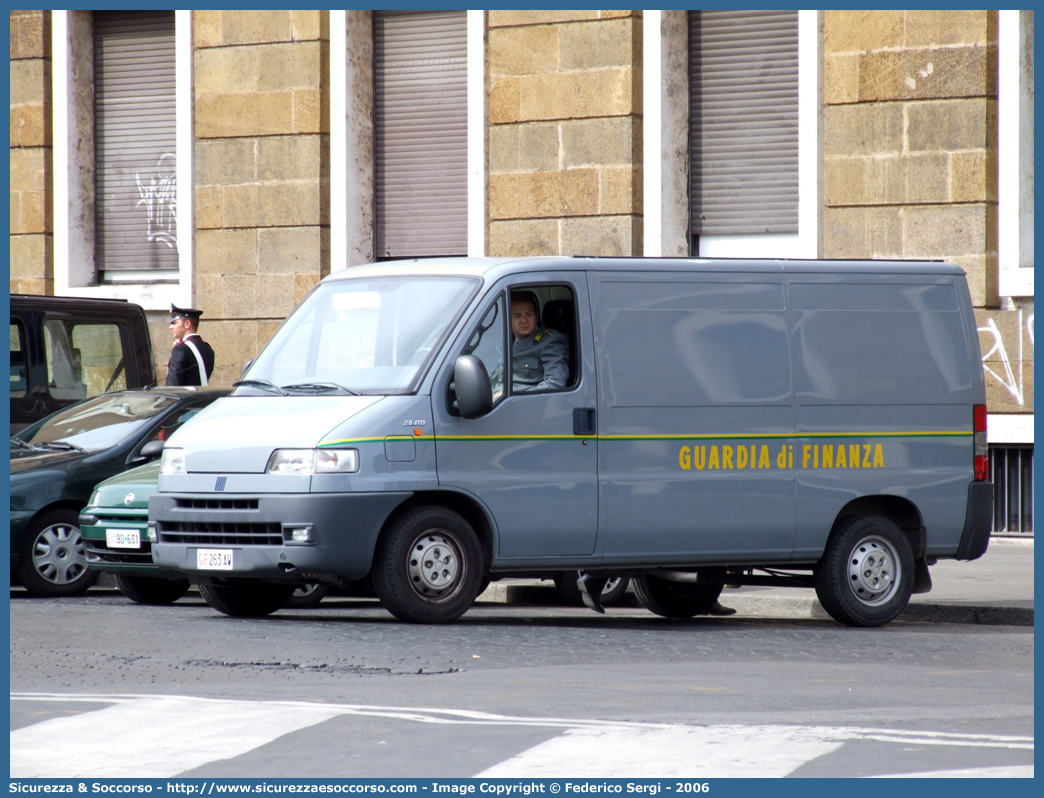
19, 361
101, 422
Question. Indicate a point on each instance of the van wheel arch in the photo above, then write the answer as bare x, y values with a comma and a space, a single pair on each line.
895, 508
464, 505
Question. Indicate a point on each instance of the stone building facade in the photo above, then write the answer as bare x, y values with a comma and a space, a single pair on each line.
914, 131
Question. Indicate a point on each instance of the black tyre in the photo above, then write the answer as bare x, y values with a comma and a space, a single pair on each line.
675, 599
247, 598
428, 566
308, 595
53, 561
569, 592
865, 576
150, 590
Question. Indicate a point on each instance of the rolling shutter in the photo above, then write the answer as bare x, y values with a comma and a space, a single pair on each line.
743, 145
134, 130
420, 135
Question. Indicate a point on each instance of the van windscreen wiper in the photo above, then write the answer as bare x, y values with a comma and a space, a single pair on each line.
321, 387
271, 386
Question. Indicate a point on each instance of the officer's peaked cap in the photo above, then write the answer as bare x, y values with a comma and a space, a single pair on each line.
179, 313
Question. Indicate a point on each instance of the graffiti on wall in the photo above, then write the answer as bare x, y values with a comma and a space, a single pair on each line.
1006, 339
159, 194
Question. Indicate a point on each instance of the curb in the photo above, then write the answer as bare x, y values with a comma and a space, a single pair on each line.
749, 606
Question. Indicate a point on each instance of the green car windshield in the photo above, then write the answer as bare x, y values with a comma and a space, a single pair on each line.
98, 423
361, 336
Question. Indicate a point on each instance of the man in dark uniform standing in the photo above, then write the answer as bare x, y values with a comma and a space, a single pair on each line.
192, 359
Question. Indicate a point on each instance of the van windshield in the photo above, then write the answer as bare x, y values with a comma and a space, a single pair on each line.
365, 336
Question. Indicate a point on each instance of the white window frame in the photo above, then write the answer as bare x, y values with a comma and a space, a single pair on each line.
74, 245
666, 208
351, 145
1014, 162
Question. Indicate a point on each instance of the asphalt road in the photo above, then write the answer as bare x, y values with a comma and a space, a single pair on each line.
345, 690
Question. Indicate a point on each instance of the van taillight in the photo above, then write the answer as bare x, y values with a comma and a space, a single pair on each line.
982, 449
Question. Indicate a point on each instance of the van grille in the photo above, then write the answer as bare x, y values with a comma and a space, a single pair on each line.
1011, 471
216, 504
228, 534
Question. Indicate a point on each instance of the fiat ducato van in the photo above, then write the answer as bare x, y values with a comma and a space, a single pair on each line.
815, 424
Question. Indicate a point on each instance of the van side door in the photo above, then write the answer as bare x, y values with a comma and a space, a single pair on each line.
697, 416
527, 460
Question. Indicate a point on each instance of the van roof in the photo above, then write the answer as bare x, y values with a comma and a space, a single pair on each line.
498, 267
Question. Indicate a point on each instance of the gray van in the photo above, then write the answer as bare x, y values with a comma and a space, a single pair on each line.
816, 424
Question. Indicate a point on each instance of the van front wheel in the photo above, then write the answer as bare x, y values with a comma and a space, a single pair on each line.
247, 598
428, 566
865, 577
675, 599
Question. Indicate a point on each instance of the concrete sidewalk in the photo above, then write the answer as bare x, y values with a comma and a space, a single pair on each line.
995, 589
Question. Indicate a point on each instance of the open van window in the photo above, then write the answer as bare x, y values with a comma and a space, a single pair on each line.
544, 349
369, 336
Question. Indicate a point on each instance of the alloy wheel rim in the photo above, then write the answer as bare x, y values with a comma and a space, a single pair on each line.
58, 554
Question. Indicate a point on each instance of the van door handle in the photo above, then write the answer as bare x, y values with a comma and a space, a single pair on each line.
584, 421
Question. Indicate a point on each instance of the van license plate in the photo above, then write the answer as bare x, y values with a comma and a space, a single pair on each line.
122, 539
214, 559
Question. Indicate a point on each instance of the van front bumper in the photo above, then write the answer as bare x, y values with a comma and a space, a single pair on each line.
259, 530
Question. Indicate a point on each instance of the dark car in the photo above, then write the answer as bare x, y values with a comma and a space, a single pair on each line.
56, 462
66, 349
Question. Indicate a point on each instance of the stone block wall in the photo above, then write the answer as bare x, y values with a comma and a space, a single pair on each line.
32, 217
910, 139
565, 132
262, 176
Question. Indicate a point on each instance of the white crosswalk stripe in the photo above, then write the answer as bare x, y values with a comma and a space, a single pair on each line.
678, 751
173, 734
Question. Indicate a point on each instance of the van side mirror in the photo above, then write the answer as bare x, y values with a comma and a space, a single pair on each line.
249, 363
471, 392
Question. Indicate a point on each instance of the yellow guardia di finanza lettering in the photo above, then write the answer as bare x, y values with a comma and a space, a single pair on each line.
818, 455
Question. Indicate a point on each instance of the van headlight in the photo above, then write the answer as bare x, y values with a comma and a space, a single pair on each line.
173, 461
313, 461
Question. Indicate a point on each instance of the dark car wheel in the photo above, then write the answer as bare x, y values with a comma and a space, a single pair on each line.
308, 595
150, 590
53, 560
675, 599
865, 576
428, 566
569, 592
247, 598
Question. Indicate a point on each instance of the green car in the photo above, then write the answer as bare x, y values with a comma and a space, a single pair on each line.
113, 529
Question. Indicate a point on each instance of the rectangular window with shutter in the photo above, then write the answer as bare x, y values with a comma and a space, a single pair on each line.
420, 133
135, 152
743, 131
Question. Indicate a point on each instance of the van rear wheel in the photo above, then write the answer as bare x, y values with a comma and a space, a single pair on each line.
151, 590
675, 599
247, 598
428, 566
865, 576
